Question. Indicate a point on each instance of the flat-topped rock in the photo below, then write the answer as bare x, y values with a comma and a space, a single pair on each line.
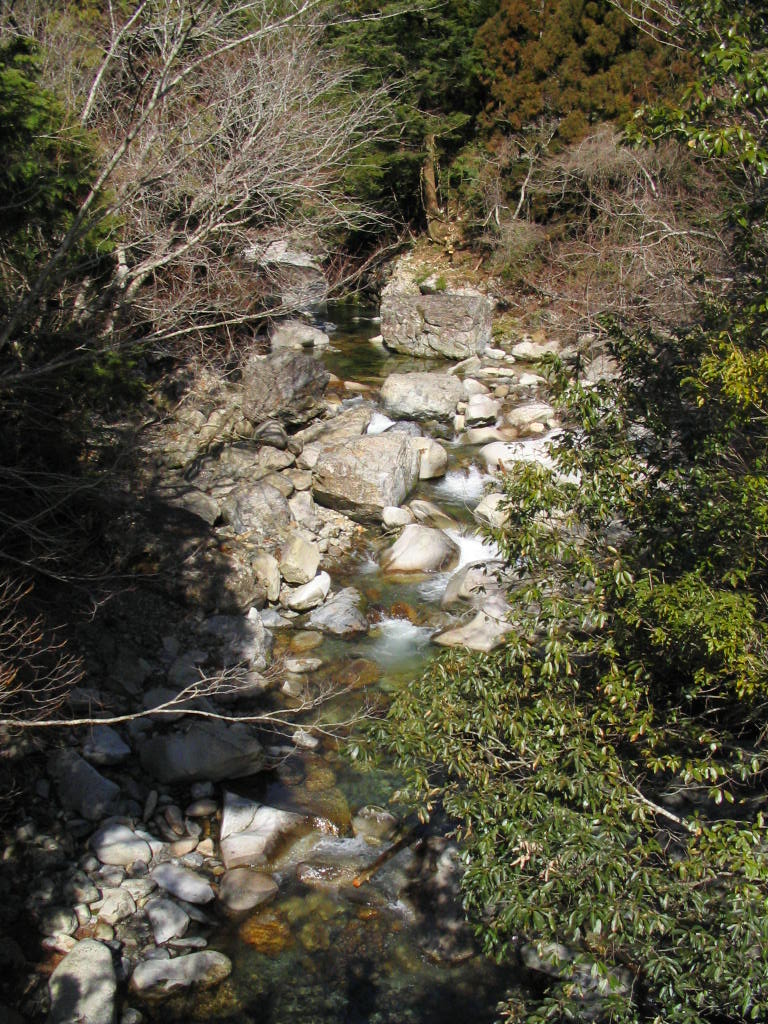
447, 324
363, 476
430, 396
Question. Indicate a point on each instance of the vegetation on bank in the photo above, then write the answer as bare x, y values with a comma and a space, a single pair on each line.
606, 767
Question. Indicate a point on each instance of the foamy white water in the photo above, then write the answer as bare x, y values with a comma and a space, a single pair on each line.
392, 641
462, 485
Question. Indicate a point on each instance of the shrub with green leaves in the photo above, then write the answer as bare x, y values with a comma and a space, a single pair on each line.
606, 768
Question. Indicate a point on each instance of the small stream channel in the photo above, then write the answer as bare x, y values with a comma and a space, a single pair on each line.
339, 954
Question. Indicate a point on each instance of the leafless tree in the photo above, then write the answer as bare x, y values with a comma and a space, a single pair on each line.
217, 124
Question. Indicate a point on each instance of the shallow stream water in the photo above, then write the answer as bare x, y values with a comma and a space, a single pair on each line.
340, 955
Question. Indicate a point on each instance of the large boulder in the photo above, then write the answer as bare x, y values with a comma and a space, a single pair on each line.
83, 986
363, 476
421, 549
422, 395
208, 750
447, 325
286, 385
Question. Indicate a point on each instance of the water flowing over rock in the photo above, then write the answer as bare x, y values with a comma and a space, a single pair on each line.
449, 325
422, 395
421, 549
287, 385
83, 986
363, 476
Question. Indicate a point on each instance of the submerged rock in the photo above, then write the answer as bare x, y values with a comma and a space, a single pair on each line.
158, 979
243, 889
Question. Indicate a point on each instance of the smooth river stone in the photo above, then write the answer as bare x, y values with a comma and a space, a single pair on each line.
168, 920
182, 883
421, 549
119, 845
243, 889
83, 986
157, 979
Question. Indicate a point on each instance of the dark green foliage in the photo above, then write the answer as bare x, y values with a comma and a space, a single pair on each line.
574, 61
426, 54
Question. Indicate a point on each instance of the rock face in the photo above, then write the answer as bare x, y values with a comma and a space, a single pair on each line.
422, 395
83, 986
156, 979
421, 549
449, 325
363, 476
207, 750
287, 385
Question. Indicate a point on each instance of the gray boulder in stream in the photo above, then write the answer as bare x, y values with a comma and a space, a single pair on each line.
421, 549
422, 395
450, 325
286, 385
363, 476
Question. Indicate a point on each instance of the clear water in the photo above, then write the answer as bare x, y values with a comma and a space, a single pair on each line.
343, 955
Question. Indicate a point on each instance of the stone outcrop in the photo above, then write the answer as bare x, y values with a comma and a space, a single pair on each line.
447, 325
363, 476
